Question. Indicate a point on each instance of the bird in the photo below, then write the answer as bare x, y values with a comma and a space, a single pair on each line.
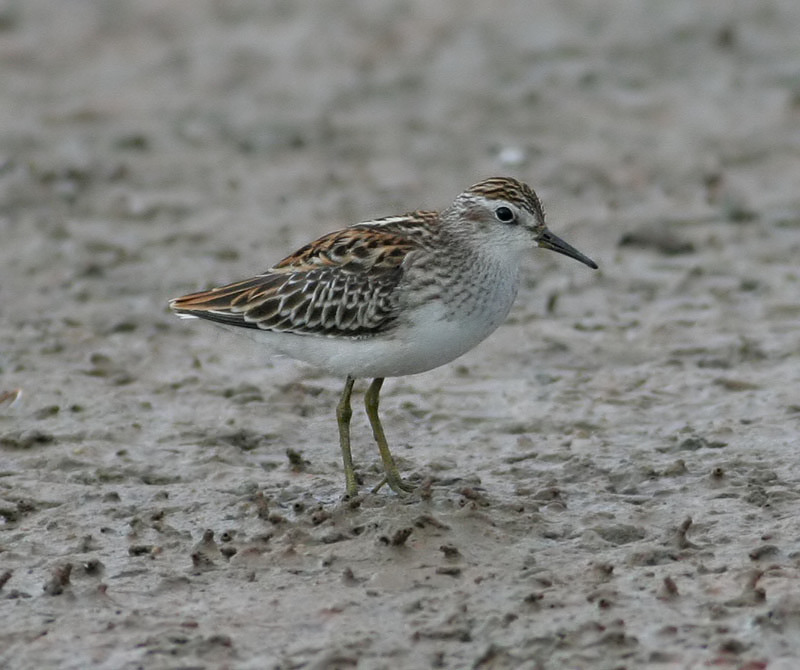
390, 297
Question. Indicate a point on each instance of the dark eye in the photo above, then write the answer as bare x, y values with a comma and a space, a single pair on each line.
504, 214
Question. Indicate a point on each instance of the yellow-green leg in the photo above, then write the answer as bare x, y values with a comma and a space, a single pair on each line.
371, 399
343, 414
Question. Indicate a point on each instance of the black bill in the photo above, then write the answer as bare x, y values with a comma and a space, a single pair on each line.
549, 241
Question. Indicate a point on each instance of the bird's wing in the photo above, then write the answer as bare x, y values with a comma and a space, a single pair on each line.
343, 285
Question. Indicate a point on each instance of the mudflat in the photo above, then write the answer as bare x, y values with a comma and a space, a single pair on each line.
611, 480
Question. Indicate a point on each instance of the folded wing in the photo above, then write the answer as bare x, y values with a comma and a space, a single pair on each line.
341, 285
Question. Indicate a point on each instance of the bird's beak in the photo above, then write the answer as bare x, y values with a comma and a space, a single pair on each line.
546, 240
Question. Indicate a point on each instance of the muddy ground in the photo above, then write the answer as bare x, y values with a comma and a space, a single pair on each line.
610, 481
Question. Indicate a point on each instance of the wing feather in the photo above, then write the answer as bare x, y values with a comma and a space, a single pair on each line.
343, 285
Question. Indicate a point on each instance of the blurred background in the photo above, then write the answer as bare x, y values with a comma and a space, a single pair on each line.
286, 110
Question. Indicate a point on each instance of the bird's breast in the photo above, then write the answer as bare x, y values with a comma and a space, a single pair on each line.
457, 311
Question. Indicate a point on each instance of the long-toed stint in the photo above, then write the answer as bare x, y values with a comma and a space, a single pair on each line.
390, 297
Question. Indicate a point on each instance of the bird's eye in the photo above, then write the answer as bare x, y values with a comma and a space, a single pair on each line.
504, 214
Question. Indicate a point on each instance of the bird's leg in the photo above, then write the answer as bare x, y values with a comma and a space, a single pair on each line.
393, 479
343, 414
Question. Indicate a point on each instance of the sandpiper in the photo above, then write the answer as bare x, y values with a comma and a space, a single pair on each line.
390, 297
